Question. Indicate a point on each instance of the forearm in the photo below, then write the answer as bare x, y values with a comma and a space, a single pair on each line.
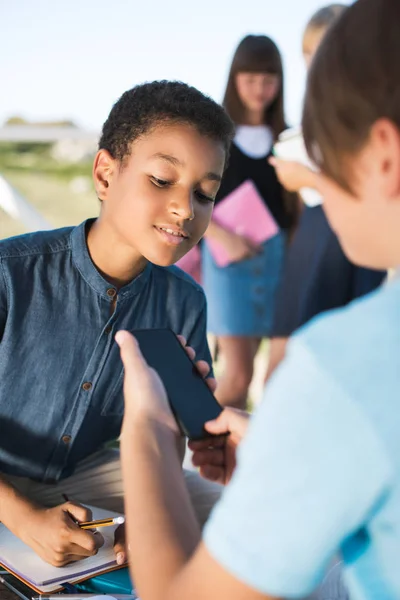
14, 507
216, 232
162, 529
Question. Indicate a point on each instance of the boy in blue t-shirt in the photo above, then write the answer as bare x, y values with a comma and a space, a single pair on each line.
64, 293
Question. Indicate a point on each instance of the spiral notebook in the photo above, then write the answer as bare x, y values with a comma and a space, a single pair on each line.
20, 560
243, 212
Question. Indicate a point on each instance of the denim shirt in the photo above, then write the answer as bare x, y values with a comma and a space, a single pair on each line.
61, 374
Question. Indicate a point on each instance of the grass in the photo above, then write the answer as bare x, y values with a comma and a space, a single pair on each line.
54, 197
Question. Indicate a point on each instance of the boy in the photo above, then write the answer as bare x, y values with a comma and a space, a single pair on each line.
64, 293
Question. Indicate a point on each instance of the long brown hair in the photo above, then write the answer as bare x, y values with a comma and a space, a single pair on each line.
256, 54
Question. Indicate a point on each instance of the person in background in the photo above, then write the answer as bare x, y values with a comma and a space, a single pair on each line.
241, 296
317, 275
63, 294
318, 470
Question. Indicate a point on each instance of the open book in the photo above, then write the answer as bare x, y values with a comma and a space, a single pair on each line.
26, 565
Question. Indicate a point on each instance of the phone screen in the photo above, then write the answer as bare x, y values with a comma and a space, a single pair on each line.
190, 398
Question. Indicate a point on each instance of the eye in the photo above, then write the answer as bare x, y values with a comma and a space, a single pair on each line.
203, 197
159, 182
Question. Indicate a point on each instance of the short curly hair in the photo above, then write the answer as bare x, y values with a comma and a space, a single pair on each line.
147, 105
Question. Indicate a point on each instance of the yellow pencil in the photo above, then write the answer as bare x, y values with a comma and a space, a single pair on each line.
102, 523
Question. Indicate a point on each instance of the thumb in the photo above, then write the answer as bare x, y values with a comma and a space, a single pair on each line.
230, 420
132, 358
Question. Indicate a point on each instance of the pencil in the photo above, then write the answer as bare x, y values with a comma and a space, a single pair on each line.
102, 523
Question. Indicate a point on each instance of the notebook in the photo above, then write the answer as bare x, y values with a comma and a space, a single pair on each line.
26, 565
243, 212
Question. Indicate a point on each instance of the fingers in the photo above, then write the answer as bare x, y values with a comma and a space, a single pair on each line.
212, 383
202, 365
119, 545
86, 540
78, 512
209, 457
230, 420
213, 473
214, 442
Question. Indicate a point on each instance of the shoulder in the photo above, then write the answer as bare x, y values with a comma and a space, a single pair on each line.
180, 281
36, 243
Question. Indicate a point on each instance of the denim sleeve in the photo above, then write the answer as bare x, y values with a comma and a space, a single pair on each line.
310, 472
197, 337
3, 300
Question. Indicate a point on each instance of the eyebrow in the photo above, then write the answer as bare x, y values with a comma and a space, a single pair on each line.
178, 163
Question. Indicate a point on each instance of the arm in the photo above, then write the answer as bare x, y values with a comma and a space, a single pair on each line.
161, 516
51, 533
237, 246
304, 433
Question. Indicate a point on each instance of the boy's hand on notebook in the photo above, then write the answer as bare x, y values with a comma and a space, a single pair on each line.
54, 534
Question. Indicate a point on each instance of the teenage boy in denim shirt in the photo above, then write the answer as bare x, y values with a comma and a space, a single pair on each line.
64, 294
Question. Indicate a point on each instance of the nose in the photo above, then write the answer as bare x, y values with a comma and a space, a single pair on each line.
182, 206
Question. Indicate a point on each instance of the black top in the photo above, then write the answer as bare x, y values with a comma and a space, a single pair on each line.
317, 275
242, 167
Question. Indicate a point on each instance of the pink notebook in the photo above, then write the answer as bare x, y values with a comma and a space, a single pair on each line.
243, 212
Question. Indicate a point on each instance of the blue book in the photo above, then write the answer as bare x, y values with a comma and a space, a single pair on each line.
117, 582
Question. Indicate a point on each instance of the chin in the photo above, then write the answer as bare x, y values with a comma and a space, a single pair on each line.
366, 260
162, 260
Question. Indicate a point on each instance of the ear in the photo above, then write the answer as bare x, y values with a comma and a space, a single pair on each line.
385, 138
104, 166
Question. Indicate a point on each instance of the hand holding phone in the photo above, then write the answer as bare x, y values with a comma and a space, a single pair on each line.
189, 396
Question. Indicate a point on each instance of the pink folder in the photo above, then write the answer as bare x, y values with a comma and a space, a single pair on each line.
243, 212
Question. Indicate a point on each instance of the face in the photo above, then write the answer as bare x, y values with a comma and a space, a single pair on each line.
367, 222
257, 90
311, 41
160, 203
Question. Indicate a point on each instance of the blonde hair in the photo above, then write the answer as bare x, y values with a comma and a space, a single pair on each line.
323, 19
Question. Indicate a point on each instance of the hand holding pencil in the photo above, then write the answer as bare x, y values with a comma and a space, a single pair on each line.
119, 539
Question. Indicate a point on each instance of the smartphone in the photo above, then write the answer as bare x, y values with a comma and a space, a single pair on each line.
190, 398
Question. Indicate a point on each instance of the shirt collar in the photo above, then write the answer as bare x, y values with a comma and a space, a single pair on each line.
87, 269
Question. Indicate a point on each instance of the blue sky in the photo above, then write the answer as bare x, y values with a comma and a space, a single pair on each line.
73, 59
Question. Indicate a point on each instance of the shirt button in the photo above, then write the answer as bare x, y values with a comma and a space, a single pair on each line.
66, 439
108, 330
87, 386
111, 292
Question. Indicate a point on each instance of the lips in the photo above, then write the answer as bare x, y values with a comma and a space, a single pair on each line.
173, 231
172, 236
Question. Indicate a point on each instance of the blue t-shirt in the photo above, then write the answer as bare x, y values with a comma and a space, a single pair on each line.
61, 373
319, 472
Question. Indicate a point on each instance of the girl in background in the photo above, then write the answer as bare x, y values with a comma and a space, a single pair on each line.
317, 275
241, 295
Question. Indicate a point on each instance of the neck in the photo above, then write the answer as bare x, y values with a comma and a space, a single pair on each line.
254, 118
119, 266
